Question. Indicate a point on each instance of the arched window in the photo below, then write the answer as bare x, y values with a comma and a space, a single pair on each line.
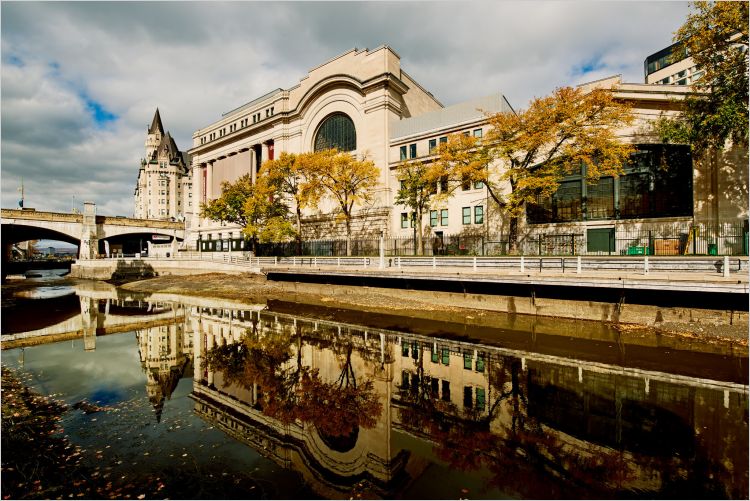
336, 131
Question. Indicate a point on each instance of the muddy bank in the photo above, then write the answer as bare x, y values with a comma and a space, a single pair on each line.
442, 306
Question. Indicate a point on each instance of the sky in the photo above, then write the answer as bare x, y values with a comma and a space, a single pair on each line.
81, 81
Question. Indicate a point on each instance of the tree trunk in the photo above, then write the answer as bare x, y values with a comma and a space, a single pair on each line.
420, 241
299, 231
348, 236
513, 235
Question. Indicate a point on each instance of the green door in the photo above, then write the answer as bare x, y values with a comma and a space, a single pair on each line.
600, 240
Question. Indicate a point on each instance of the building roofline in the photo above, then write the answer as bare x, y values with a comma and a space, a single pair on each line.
422, 88
254, 101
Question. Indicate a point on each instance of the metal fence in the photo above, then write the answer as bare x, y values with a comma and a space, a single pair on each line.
675, 239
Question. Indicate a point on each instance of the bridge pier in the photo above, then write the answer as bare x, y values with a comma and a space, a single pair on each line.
89, 322
89, 247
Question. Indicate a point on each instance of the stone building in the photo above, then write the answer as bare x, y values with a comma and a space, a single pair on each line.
350, 102
363, 102
163, 189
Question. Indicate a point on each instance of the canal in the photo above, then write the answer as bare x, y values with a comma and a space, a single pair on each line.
207, 398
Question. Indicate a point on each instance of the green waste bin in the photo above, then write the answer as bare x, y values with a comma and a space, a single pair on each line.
713, 250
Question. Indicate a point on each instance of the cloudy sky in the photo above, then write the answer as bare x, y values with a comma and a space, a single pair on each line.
81, 81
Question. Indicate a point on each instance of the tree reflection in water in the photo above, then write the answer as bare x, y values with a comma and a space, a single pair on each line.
292, 391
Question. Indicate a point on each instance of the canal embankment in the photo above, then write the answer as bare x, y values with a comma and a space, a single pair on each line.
545, 310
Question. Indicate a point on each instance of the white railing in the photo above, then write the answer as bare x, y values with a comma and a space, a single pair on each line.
523, 264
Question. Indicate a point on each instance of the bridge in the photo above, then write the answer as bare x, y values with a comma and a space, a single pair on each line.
93, 235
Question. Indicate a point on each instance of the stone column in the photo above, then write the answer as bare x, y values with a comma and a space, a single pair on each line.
253, 174
209, 181
89, 313
89, 242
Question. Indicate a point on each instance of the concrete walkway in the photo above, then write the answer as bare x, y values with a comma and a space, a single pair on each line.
672, 281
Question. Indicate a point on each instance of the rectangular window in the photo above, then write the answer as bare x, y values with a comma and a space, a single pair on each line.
405, 349
466, 213
432, 146
468, 397
446, 391
446, 359
477, 132
434, 354
444, 217
402, 151
480, 399
443, 139
480, 363
479, 214
634, 195
402, 185
433, 218
478, 185
434, 387
415, 350
600, 199
404, 220
444, 184
467, 360
465, 183
413, 150
404, 379
414, 382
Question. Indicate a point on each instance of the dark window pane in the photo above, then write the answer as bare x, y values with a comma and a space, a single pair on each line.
412, 150
467, 361
480, 363
446, 391
479, 214
566, 202
336, 131
634, 195
468, 397
433, 218
446, 356
402, 152
433, 145
600, 199
480, 399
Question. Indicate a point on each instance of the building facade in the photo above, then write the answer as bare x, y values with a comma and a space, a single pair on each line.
364, 103
164, 186
671, 66
349, 102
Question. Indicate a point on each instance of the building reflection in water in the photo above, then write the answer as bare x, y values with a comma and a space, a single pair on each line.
166, 354
342, 404
349, 406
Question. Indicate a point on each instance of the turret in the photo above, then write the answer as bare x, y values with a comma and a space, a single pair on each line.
155, 134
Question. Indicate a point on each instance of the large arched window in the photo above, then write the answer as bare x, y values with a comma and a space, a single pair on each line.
336, 131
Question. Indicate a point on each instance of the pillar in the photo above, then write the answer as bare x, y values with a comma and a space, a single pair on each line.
209, 180
89, 242
253, 174
89, 314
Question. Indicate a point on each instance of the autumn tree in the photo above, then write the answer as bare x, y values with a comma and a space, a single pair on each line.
258, 208
525, 155
347, 180
715, 35
416, 189
293, 176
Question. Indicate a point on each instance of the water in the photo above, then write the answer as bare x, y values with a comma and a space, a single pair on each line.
286, 401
